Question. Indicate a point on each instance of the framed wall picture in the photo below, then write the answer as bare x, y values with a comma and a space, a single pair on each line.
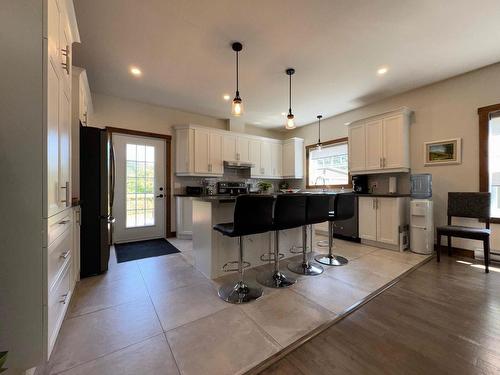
443, 152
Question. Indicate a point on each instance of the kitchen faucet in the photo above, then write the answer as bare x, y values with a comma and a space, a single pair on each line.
324, 182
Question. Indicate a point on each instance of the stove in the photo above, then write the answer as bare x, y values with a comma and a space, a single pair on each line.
232, 188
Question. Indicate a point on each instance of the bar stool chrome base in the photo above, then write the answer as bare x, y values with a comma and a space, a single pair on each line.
331, 260
305, 268
275, 279
239, 293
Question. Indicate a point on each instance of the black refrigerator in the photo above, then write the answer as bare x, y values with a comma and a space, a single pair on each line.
94, 233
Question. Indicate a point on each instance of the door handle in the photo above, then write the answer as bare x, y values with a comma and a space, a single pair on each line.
159, 196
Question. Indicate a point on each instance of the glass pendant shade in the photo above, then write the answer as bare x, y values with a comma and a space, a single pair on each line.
237, 107
319, 147
290, 122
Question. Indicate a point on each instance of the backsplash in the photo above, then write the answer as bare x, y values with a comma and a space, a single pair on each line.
379, 183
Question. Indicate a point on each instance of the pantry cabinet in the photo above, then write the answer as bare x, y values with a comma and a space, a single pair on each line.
383, 221
201, 151
380, 144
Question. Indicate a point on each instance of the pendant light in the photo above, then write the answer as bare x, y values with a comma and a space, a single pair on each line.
319, 145
237, 106
290, 122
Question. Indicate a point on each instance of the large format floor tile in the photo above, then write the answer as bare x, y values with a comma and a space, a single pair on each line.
330, 293
169, 272
358, 276
346, 249
186, 304
224, 343
92, 296
90, 336
286, 316
151, 357
381, 265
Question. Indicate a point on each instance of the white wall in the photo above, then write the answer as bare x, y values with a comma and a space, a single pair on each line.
447, 109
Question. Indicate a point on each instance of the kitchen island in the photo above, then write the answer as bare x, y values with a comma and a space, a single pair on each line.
212, 250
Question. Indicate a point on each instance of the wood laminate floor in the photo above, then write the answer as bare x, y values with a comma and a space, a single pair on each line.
440, 319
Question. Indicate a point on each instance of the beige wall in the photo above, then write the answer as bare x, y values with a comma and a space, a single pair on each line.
447, 109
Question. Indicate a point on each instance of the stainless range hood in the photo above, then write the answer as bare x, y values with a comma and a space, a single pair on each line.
235, 164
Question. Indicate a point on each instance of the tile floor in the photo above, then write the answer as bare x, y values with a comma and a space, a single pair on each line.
161, 316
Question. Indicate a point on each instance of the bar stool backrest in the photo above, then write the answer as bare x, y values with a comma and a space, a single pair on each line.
318, 208
345, 205
253, 214
289, 211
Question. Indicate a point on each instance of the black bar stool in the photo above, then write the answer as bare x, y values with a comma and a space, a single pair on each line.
344, 205
317, 211
289, 212
252, 214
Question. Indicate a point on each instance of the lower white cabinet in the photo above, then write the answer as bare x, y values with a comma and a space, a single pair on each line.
184, 218
383, 221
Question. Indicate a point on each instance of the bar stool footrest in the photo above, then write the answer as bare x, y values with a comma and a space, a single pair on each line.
269, 257
226, 266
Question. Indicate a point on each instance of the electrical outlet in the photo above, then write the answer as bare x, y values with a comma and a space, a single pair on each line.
374, 185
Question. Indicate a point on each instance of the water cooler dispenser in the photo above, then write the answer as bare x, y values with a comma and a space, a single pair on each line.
421, 214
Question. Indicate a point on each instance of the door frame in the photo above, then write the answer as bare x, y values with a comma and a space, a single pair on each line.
168, 168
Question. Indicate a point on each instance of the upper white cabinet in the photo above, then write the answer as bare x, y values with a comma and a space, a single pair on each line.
380, 144
201, 151
293, 158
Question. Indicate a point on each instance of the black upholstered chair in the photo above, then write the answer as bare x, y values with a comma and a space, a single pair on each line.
344, 205
289, 212
317, 211
471, 205
252, 215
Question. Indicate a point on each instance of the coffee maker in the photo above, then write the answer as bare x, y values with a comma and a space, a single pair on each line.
360, 184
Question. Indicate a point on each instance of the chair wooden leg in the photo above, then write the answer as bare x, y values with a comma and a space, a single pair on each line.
449, 246
486, 246
438, 248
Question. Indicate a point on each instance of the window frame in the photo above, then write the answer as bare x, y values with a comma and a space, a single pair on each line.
328, 143
485, 114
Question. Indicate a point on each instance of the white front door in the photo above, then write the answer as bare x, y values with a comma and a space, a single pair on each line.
139, 197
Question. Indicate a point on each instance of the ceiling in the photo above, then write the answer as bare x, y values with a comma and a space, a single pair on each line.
336, 46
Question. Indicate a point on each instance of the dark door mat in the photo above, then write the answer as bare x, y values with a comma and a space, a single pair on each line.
126, 252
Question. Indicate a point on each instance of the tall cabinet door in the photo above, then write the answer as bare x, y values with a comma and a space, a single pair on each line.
201, 151
53, 103
373, 145
254, 151
64, 151
265, 158
229, 147
276, 159
216, 162
388, 221
243, 149
367, 208
396, 152
357, 148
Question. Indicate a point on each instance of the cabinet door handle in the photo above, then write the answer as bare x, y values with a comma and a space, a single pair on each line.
65, 64
383, 162
64, 254
380, 162
63, 298
66, 195
238, 156
373, 203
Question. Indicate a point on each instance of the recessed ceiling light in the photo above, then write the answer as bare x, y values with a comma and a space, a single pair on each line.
381, 71
226, 97
135, 71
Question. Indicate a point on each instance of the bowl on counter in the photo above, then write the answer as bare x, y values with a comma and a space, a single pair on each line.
290, 191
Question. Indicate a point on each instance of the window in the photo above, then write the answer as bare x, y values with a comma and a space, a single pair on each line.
489, 159
328, 166
140, 178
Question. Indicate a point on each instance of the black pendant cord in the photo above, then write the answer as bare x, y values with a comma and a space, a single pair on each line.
319, 117
290, 97
237, 76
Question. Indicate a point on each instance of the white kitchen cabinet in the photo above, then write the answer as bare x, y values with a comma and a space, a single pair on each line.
255, 158
184, 217
293, 158
276, 160
216, 163
381, 220
357, 148
380, 144
201, 151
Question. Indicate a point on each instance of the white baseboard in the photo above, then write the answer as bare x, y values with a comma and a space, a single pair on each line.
479, 254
